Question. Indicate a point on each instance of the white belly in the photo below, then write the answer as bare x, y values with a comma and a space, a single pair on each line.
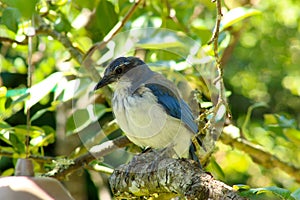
145, 123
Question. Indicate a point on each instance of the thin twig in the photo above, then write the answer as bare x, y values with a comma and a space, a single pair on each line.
215, 34
215, 39
37, 158
113, 31
29, 83
87, 61
9, 40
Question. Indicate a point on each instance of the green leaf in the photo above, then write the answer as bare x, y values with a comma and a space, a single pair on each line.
102, 21
20, 99
201, 29
67, 90
26, 10
39, 113
33, 131
82, 118
4, 125
216, 168
40, 90
8, 172
62, 24
236, 15
10, 18
280, 192
241, 187
46, 138
7, 149
8, 103
59, 2
161, 40
19, 145
293, 135
4, 135
7, 33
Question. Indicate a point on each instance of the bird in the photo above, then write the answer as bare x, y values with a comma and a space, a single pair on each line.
149, 108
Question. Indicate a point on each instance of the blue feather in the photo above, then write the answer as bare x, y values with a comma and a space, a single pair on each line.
174, 106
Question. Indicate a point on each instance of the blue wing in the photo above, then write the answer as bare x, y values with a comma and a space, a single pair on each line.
174, 106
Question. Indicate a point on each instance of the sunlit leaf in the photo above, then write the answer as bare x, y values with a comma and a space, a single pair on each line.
3, 91
270, 119
7, 149
75, 88
293, 135
38, 114
44, 139
32, 131
236, 15
292, 83
280, 192
59, 2
8, 172
40, 90
241, 187
4, 135
5, 32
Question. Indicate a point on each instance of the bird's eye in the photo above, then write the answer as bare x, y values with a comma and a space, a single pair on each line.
119, 71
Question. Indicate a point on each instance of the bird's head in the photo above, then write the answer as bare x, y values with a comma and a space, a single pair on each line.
117, 68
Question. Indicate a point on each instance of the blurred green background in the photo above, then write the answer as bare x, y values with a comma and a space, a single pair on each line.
259, 47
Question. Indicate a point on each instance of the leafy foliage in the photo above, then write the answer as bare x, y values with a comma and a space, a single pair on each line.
258, 45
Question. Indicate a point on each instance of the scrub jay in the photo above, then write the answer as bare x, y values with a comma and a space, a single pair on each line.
148, 107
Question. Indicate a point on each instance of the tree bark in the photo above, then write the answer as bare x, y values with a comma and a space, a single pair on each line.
155, 174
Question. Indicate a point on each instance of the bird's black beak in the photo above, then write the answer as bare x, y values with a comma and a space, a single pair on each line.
104, 81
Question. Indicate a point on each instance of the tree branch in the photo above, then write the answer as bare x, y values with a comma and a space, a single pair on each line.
260, 156
155, 174
9, 40
95, 152
37, 158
